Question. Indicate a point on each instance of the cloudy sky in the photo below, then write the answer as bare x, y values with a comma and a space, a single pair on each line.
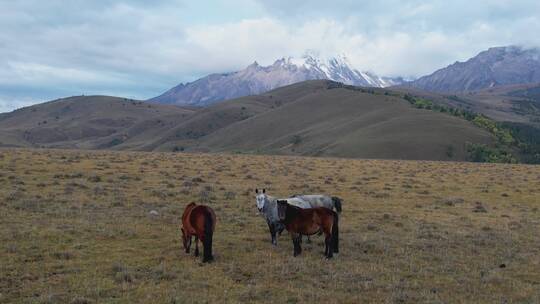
138, 49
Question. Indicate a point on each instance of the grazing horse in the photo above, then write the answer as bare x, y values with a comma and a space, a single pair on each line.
199, 221
267, 206
300, 222
318, 200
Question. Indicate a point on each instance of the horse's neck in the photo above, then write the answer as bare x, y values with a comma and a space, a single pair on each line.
291, 212
187, 211
186, 219
270, 200
267, 208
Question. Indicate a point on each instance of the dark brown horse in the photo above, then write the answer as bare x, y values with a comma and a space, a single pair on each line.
310, 221
199, 221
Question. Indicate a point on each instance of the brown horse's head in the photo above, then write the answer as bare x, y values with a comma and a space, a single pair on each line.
282, 209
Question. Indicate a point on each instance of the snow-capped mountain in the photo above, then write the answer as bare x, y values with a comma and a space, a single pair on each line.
256, 79
336, 68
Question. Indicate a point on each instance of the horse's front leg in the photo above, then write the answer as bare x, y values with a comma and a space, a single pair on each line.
188, 245
272, 228
279, 228
297, 238
196, 246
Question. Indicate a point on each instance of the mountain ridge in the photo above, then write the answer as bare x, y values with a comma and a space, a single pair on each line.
257, 79
497, 66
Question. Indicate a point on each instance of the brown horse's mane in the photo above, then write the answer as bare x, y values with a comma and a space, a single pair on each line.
290, 211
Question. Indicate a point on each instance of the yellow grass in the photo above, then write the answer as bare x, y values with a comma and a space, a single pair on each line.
75, 227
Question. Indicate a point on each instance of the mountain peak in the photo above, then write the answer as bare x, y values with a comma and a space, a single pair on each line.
312, 59
496, 66
254, 65
256, 79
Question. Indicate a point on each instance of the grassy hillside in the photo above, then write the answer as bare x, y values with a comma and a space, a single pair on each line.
193, 133
512, 103
518, 137
318, 118
348, 123
76, 227
77, 122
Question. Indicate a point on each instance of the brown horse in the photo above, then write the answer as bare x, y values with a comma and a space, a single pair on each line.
199, 221
310, 221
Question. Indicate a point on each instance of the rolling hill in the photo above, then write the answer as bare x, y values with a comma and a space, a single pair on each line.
317, 117
518, 103
353, 124
82, 122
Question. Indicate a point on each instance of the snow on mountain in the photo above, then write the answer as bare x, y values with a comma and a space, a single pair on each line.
256, 79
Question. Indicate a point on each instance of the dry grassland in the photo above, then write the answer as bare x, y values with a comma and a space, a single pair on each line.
75, 227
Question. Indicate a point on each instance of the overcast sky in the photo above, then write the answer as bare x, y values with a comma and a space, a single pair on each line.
138, 49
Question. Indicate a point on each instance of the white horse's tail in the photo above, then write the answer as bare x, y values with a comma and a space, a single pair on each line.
337, 203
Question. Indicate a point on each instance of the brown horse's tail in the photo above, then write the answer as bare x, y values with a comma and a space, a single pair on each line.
337, 203
335, 234
208, 233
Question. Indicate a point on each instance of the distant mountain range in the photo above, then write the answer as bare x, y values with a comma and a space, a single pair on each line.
256, 79
498, 66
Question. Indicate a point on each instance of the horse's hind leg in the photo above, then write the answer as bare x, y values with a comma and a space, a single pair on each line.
326, 248
328, 251
196, 246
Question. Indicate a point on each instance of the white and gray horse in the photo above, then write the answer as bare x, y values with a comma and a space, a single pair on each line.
318, 200
267, 206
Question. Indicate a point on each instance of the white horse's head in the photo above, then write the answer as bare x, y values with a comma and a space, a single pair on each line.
261, 198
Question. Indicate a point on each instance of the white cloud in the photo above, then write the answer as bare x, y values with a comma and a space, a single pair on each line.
30, 72
232, 46
116, 47
8, 104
